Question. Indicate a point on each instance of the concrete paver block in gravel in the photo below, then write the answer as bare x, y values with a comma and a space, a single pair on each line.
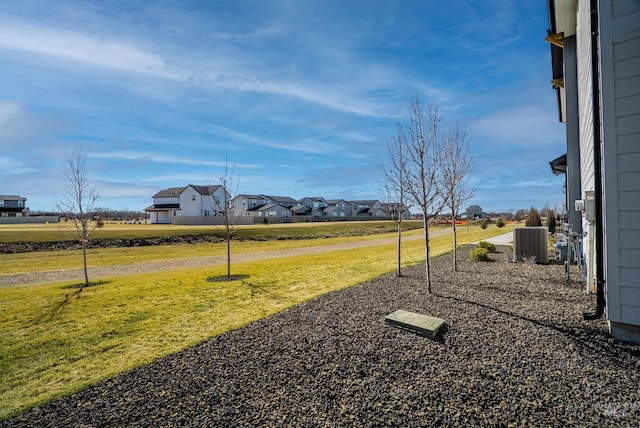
423, 325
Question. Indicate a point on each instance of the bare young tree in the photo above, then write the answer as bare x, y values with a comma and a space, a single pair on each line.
395, 184
424, 164
78, 201
226, 180
455, 173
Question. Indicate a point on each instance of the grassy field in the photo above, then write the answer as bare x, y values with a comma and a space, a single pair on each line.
64, 231
97, 257
54, 344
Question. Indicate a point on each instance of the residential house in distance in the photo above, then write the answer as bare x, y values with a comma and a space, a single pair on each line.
179, 201
245, 205
368, 208
274, 210
595, 58
396, 210
250, 205
475, 212
339, 208
191, 200
316, 206
13, 206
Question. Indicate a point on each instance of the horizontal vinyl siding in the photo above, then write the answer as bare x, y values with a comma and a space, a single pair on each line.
629, 238
625, 27
630, 314
585, 100
628, 220
628, 181
620, 8
629, 201
626, 106
630, 257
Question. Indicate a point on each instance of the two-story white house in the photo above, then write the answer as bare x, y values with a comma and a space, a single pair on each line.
191, 200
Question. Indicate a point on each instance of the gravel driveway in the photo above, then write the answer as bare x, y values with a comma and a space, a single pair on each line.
516, 352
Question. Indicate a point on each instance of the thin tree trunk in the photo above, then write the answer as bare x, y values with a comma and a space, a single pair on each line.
455, 244
84, 259
426, 253
228, 251
399, 245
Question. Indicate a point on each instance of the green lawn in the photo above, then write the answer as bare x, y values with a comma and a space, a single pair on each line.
64, 232
54, 343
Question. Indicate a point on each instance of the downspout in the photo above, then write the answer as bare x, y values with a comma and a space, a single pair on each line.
597, 169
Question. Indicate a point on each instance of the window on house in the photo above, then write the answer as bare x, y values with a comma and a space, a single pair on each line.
193, 197
20, 203
174, 213
206, 213
1, 202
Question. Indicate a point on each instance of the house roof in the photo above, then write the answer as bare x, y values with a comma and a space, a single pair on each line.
12, 198
270, 206
205, 190
282, 199
163, 207
334, 209
172, 192
169, 193
559, 165
300, 209
316, 198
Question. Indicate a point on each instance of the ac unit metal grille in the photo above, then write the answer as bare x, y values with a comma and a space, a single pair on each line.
531, 242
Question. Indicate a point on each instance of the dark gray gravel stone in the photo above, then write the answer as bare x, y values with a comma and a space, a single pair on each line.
515, 351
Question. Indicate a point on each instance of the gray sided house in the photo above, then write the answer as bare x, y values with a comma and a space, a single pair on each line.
246, 205
316, 204
595, 57
13, 206
274, 210
368, 208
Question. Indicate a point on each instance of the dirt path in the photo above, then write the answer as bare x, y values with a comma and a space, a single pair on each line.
21, 279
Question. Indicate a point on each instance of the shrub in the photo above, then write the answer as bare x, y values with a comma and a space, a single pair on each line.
533, 218
487, 246
500, 222
479, 254
484, 224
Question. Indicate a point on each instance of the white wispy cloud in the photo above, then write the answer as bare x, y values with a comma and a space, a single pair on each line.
8, 110
18, 125
158, 158
84, 48
237, 72
305, 146
530, 126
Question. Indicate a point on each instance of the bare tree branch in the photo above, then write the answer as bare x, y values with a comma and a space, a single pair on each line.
395, 181
78, 200
423, 149
455, 173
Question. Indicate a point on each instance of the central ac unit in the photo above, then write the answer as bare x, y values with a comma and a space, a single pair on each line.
530, 242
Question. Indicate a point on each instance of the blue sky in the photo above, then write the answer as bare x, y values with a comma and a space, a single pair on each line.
302, 96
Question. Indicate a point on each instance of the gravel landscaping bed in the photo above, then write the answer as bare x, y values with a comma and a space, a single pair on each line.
515, 352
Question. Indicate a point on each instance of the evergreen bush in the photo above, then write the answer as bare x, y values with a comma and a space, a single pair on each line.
533, 218
487, 245
479, 254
